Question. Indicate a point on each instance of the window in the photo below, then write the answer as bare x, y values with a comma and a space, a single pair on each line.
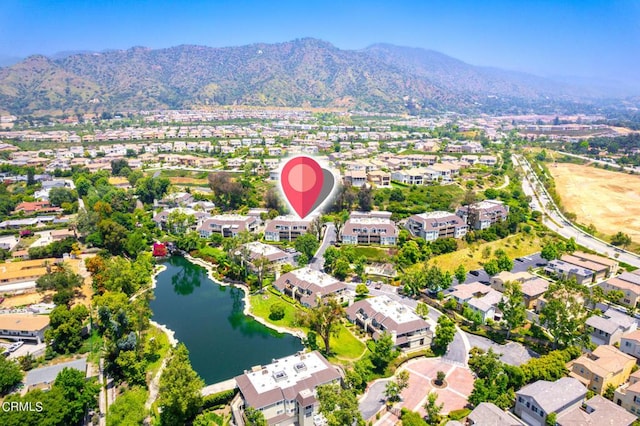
534, 409
596, 379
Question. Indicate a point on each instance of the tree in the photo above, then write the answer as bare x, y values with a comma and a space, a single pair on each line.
394, 388
339, 406
422, 309
460, 273
512, 306
119, 166
551, 419
383, 352
550, 251
362, 290
365, 200
59, 196
254, 417
504, 263
10, 375
179, 395
609, 392
79, 394
564, 314
491, 267
341, 268
445, 333
64, 334
440, 376
150, 188
324, 319
571, 245
621, 239
411, 418
307, 244
433, 409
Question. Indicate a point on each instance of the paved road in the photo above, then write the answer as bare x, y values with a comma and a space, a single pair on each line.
373, 400
513, 353
330, 235
557, 222
604, 163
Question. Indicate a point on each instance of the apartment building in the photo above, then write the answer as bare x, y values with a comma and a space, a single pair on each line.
434, 225
373, 227
286, 228
307, 286
628, 395
285, 390
379, 315
483, 214
229, 225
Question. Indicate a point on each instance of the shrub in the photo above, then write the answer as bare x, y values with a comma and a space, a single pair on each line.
220, 398
276, 311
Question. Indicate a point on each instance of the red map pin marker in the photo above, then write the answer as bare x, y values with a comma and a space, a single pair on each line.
302, 179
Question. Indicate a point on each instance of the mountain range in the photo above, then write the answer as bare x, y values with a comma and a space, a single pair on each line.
304, 72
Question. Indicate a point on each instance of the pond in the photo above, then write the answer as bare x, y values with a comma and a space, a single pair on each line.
208, 318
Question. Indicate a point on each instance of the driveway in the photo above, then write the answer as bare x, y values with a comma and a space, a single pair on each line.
513, 353
330, 235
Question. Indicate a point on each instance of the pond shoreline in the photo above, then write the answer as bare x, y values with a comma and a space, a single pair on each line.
171, 335
247, 302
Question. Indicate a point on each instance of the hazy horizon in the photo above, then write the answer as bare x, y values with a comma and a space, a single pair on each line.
592, 40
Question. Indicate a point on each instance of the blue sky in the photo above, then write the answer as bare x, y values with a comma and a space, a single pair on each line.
577, 38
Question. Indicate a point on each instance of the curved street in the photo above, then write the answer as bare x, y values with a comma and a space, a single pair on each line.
557, 222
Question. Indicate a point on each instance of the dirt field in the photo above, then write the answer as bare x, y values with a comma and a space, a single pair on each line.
177, 180
609, 200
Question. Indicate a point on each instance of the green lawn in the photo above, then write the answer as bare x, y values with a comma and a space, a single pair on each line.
471, 257
372, 254
345, 345
261, 304
92, 346
163, 340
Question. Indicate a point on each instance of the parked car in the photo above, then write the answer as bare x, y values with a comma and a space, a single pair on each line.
474, 273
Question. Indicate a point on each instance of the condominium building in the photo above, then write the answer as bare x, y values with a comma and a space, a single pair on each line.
483, 214
374, 227
285, 390
379, 315
438, 224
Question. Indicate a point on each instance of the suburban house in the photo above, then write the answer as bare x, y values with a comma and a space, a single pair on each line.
533, 287
537, 400
36, 207
285, 228
487, 413
379, 315
628, 395
285, 390
20, 275
595, 412
478, 297
379, 178
308, 285
564, 270
434, 225
628, 283
356, 178
373, 227
630, 343
410, 176
483, 214
605, 366
600, 266
229, 225
23, 327
609, 328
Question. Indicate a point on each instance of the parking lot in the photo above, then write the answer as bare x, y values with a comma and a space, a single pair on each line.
519, 265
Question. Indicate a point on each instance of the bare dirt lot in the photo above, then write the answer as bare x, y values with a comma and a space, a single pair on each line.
609, 200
